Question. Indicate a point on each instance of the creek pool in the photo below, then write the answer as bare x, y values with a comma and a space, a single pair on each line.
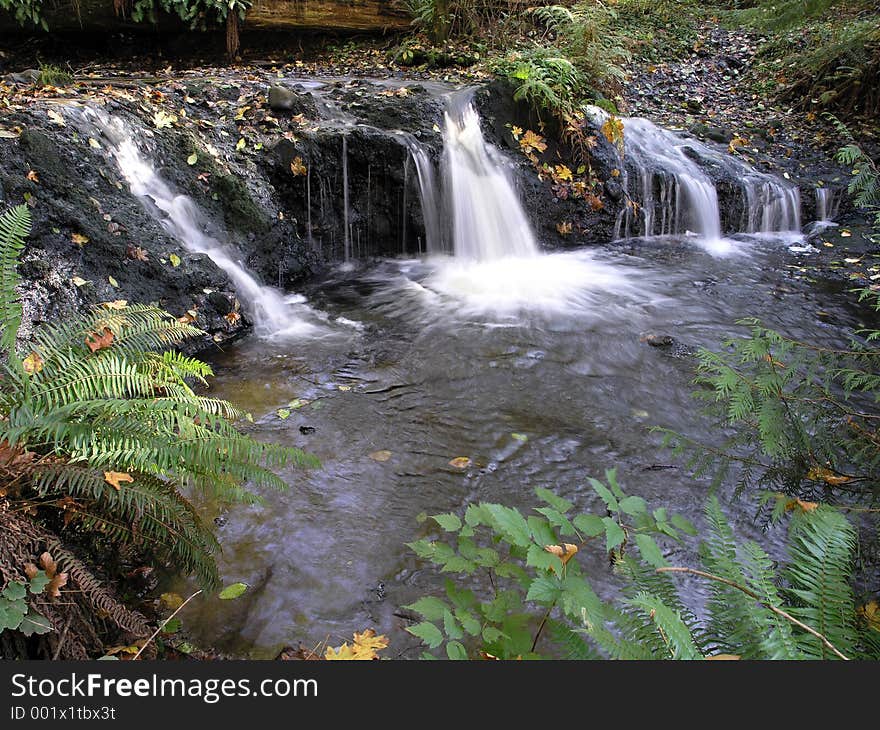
433, 360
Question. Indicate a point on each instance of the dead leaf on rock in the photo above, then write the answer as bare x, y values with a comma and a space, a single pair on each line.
460, 462
383, 455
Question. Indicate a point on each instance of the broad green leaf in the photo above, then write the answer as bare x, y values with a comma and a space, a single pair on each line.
475, 516
686, 526
451, 627
538, 557
650, 551
633, 505
39, 582
544, 589
423, 548
468, 621
555, 501
606, 496
14, 591
590, 525
611, 478
578, 597
510, 523
557, 519
541, 531
233, 591
614, 534
458, 564
429, 607
449, 522
33, 623
456, 651
491, 634
428, 633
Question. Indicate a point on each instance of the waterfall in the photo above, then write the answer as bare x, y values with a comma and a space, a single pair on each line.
429, 197
488, 220
273, 312
346, 233
826, 205
666, 179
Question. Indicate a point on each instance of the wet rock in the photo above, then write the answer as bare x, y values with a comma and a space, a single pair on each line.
655, 340
28, 77
285, 99
613, 189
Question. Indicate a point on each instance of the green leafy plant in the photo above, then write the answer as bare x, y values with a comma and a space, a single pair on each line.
26, 12
16, 614
51, 75
864, 187
536, 596
799, 414
100, 422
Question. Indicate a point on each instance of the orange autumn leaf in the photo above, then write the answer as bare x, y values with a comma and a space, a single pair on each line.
369, 641
532, 142
297, 167
801, 505
116, 478
821, 474
564, 552
97, 342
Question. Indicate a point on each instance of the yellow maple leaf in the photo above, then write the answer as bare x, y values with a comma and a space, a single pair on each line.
343, 653
368, 644
564, 228
115, 304
532, 142
297, 167
33, 363
79, 239
116, 478
516, 132
460, 462
613, 131
562, 172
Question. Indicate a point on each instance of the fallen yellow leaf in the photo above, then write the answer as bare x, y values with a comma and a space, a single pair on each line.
460, 462
33, 363
116, 478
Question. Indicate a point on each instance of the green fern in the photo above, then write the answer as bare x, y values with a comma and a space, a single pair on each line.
124, 405
15, 225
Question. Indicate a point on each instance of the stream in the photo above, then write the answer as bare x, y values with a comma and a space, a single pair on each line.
430, 376
534, 368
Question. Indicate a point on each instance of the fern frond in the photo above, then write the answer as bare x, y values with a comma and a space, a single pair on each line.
15, 225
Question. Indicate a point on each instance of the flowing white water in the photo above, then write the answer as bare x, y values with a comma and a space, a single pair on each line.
497, 273
275, 314
826, 205
674, 195
427, 194
488, 221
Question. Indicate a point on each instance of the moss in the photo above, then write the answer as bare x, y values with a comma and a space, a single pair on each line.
239, 209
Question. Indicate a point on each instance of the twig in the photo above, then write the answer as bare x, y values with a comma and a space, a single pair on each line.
754, 595
162, 625
57, 652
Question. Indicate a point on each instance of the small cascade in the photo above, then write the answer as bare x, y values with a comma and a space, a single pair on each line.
826, 205
666, 179
345, 216
488, 219
273, 312
673, 193
429, 196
